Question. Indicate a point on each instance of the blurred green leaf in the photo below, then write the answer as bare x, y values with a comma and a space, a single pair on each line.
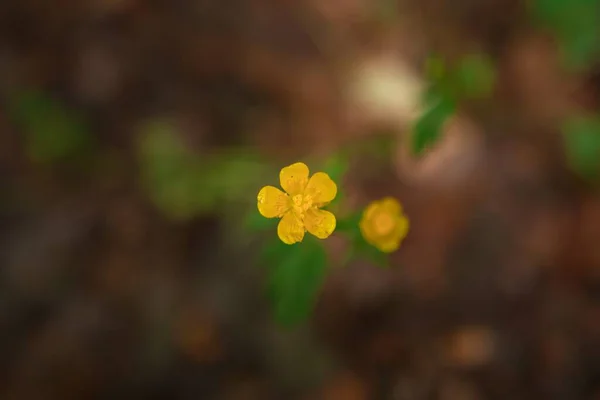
435, 68
476, 75
428, 128
296, 275
183, 196
336, 166
362, 249
52, 131
234, 175
274, 252
582, 141
172, 175
379, 146
183, 184
550, 11
577, 26
256, 222
442, 80
581, 48
159, 141
349, 223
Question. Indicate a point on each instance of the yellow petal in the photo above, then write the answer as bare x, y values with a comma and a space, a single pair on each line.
294, 178
290, 229
320, 223
389, 245
370, 211
366, 230
366, 222
403, 227
391, 205
392, 242
321, 188
272, 202
373, 224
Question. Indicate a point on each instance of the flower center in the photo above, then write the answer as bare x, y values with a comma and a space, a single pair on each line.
301, 203
383, 223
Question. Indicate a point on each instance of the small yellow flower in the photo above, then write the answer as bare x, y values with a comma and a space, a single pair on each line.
384, 225
298, 208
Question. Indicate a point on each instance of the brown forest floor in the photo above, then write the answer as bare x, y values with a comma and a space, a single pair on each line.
496, 293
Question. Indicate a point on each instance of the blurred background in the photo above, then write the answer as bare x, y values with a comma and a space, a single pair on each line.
135, 135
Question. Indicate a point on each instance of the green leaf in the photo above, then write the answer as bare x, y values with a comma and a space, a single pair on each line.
582, 141
52, 132
379, 147
549, 11
256, 222
577, 27
428, 127
183, 184
349, 223
159, 143
171, 174
581, 48
435, 68
296, 275
274, 252
336, 166
363, 249
476, 75
234, 175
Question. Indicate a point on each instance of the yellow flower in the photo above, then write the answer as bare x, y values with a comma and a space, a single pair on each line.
298, 208
383, 225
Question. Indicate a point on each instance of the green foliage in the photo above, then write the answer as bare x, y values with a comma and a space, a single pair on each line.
336, 166
254, 222
473, 77
428, 128
380, 147
349, 224
52, 132
171, 174
363, 249
296, 273
435, 69
582, 142
476, 76
576, 24
183, 184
